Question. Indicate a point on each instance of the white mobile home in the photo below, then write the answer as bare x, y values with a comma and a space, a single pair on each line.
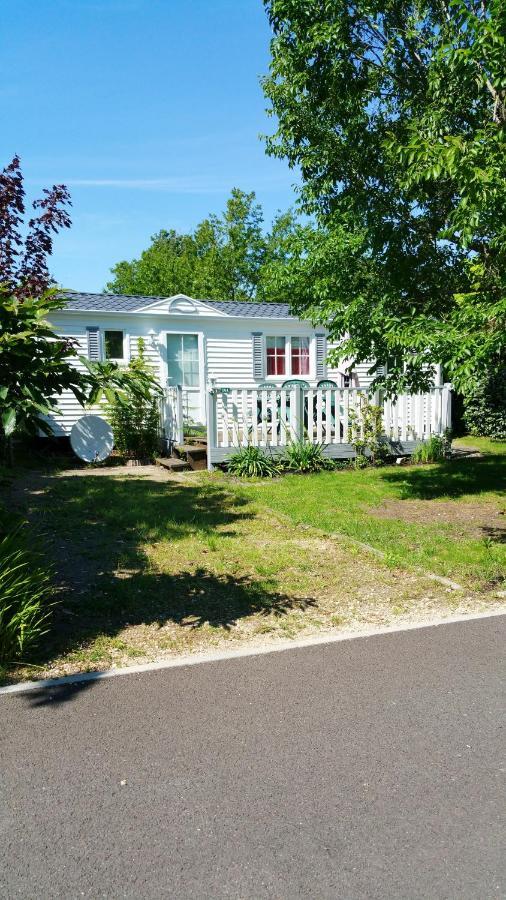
236, 363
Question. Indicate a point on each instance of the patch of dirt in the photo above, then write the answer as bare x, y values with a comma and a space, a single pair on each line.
479, 520
150, 472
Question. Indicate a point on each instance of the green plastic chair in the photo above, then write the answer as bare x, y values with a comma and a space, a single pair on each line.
295, 382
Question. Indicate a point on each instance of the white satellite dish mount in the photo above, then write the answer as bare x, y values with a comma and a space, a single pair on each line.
92, 439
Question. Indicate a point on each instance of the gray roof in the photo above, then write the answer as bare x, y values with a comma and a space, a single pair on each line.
130, 303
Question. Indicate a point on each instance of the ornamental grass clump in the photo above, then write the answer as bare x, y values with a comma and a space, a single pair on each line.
434, 449
303, 456
253, 462
25, 597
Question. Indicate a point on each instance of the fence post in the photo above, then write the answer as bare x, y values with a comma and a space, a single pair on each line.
211, 427
447, 407
299, 414
168, 415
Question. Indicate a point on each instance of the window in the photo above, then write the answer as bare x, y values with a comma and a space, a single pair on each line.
183, 359
276, 356
113, 345
300, 356
287, 355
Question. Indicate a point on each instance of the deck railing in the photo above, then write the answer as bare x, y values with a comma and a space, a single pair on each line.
274, 417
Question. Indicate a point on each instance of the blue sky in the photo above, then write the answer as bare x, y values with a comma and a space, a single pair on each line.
149, 110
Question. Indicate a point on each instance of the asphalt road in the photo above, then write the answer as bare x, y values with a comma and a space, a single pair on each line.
369, 768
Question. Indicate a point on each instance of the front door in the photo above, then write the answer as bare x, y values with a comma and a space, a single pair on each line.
184, 368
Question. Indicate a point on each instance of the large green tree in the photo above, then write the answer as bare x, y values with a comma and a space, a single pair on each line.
394, 113
166, 267
226, 257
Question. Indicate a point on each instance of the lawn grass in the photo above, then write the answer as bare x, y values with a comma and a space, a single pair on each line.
447, 518
151, 565
483, 444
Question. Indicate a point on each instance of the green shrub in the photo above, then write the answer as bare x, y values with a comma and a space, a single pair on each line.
302, 456
134, 418
25, 591
361, 461
253, 462
435, 449
365, 433
485, 407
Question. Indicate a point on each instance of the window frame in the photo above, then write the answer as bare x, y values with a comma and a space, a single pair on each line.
121, 360
182, 335
300, 337
284, 356
288, 356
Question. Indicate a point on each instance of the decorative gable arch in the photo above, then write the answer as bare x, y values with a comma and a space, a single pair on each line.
183, 305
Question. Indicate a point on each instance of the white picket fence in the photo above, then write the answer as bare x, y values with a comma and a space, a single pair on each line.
271, 418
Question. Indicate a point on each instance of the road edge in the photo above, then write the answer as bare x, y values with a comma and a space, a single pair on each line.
252, 650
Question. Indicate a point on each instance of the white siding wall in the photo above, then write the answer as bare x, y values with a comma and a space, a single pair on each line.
361, 377
69, 407
230, 362
74, 327
227, 343
229, 349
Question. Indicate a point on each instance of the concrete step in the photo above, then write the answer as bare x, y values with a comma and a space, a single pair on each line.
173, 464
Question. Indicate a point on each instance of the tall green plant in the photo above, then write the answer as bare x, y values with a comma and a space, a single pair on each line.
134, 413
304, 456
35, 364
25, 594
434, 449
253, 462
365, 431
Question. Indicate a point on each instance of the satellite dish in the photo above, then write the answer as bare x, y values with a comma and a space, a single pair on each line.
91, 438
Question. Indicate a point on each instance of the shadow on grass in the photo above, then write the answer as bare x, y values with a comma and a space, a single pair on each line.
188, 599
134, 508
196, 601
97, 527
496, 535
454, 478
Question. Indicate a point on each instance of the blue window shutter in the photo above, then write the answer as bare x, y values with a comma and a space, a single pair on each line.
321, 356
94, 349
258, 355
381, 370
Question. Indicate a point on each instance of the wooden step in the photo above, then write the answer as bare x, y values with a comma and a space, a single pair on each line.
194, 454
173, 464
196, 441
195, 449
